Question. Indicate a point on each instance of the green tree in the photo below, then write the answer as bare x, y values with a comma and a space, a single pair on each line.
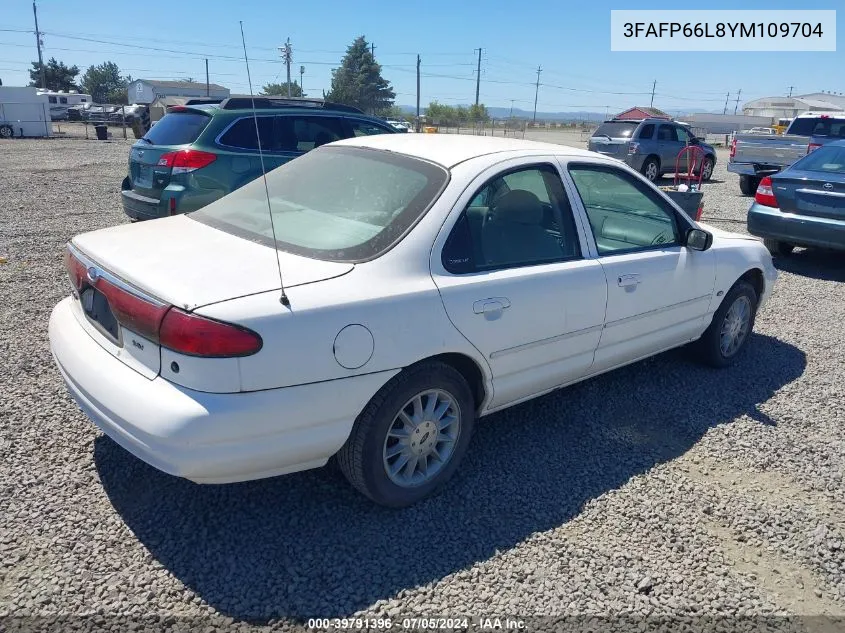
441, 114
105, 84
393, 112
478, 113
281, 90
59, 76
358, 81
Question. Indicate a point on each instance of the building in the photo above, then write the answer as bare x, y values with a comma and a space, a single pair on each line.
790, 107
637, 113
725, 123
148, 90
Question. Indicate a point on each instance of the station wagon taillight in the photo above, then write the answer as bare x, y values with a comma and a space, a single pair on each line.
186, 160
765, 195
165, 324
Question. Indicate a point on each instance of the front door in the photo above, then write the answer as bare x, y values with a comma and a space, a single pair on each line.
514, 282
659, 291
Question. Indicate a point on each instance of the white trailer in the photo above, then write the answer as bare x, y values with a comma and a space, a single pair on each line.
61, 100
23, 112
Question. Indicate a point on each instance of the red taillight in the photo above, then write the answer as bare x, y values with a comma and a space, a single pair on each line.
186, 160
633, 147
733, 148
195, 335
765, 195
161, 323
811, 147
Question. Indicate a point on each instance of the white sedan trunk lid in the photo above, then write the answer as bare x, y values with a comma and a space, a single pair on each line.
189, 264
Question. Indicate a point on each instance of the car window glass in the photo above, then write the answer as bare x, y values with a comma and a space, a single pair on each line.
682, 134
624, 215
366, 128
828, 159
242, 134
647, 131
312, 132
616, 129
178, 128
818, 126
521, 218
666, 133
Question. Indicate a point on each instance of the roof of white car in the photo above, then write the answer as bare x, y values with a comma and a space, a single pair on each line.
451, 149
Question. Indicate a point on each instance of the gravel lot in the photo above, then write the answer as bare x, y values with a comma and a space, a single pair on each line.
663, 489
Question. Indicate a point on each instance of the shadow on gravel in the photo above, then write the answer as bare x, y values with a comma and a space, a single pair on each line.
816, 263
307, 545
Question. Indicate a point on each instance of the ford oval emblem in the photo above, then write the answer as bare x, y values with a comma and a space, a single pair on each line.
93, 275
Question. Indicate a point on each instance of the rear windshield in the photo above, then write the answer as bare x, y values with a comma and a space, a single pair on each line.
335, 203
177, 128
616, 129
828, 159
827, 126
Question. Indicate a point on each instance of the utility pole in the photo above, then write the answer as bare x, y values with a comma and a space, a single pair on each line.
725, 110
790, 90
287, 57
38, 43
373, 50
207, 85
737, 100
478, 77
418, 93
537, 92
653, 88
510, 116
301, 73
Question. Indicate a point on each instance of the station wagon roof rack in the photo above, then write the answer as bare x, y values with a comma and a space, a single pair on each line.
243, 103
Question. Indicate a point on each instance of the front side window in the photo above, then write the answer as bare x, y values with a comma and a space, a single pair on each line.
520, 218
624, 214
683, 135
311, 132
335, 203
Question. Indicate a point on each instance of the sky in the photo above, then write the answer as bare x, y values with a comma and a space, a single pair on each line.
569, 40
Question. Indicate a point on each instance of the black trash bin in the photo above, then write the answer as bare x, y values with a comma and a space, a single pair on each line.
102, 132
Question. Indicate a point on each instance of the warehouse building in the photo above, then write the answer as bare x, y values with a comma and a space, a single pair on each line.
149, 90
789, 107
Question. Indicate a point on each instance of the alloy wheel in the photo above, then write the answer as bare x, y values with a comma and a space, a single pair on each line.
735, 326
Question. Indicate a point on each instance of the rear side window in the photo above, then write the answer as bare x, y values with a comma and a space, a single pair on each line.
647, 131
366, 128
616, 129
311, 132
242, 134
666, 133
177, 128
818, 126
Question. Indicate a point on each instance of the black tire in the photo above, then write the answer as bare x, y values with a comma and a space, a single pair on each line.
707, 168
361, 457
777, 248
6, 131
651, 169
748, 184
708, 348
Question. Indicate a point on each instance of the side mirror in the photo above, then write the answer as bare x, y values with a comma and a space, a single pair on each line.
698, 240
694, 140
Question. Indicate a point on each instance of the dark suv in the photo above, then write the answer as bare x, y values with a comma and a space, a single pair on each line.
202, 151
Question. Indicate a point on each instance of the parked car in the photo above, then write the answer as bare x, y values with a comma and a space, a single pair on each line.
804, 205
754, 156
650, 146
199, 153
428, 280
399, 126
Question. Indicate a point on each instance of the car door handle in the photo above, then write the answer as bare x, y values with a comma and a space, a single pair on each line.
627, 281
493, 304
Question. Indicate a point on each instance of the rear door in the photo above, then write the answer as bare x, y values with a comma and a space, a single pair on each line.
514, 282
173, 132
668, 146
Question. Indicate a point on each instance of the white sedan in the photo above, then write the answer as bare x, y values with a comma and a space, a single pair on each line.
428, 280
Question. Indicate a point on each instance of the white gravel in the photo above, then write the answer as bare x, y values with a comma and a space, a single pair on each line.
664, 489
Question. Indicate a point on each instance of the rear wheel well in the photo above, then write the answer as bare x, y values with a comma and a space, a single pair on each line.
469, 369
756, 279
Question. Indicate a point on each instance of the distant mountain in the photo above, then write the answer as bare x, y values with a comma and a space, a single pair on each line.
579, 115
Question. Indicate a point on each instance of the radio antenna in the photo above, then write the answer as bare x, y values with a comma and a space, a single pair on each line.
284, 298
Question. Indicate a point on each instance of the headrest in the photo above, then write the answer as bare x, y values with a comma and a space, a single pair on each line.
519, 207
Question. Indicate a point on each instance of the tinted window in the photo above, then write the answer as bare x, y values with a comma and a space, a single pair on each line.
666, 133
311, 132
62, 99
624, 214
177, 128
521, 218
827, 159
51, 99
819, 126
647, 131
242, 134
335, 203
616, 129
366, 128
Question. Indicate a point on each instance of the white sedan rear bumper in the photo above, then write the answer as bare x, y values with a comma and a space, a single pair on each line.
207, 437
